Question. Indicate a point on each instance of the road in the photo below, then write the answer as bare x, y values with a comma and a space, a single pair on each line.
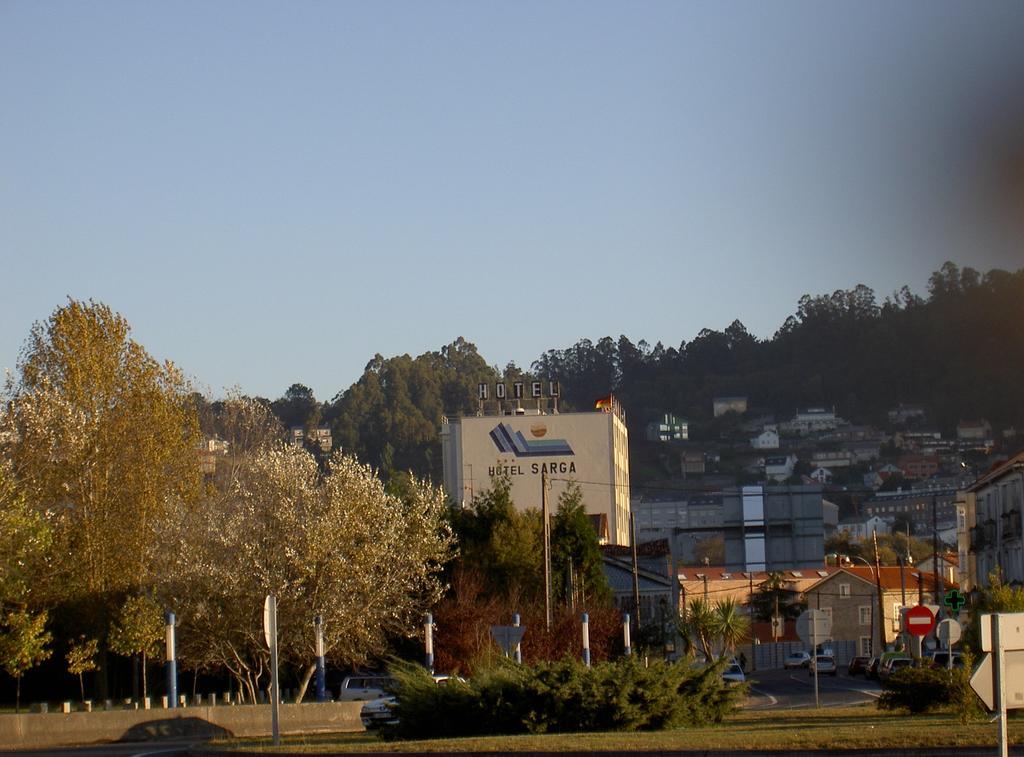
794, 689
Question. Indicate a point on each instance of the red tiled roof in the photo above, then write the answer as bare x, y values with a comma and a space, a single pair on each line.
889, 576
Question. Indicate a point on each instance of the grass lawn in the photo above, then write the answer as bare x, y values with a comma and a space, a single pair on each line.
846, 728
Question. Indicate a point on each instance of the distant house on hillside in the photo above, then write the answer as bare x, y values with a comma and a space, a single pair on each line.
863, 528
767, 439
904, 414
691, 462
918, 466
826, 459
974, 430
872, 480
723, 405
821, 475
810, 420
668, 428
779, 467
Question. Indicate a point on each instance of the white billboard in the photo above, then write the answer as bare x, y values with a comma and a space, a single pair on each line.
588, 448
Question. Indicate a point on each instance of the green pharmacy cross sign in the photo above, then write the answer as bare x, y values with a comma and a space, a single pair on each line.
955, 600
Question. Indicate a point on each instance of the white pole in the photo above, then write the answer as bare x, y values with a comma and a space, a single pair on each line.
586, 639
428, 641
517, 653
275, 684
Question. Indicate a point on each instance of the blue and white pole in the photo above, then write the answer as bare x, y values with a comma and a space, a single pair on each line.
517, 653
428, 637
586, 640
321, 672
172, 666
625, 633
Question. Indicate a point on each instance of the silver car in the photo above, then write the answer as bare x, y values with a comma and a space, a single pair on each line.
734, 674
823, 664
797, 660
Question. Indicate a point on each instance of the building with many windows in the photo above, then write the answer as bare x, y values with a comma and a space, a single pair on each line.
923, 509
997, 539
773, 528
684, 520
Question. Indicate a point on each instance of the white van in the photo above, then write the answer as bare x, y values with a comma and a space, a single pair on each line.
359, 688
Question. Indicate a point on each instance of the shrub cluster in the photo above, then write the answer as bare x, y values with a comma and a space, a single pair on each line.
563, 696
925, 689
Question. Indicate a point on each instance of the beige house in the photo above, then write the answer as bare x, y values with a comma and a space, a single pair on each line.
850, 597
716, 583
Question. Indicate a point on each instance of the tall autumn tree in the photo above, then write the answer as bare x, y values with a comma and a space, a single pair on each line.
328, 541
24, 544
104, 440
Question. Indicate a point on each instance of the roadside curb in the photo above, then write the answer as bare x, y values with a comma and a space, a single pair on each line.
980, 751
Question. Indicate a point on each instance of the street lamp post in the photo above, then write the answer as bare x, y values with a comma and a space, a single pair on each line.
875, 650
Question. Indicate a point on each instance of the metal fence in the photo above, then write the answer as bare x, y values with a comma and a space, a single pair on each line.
769, 656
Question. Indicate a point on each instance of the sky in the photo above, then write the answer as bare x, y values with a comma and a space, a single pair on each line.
274, 192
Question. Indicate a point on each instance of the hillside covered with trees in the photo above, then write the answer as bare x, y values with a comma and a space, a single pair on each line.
957, 352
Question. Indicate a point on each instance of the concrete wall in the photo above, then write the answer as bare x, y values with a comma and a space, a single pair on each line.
59, 729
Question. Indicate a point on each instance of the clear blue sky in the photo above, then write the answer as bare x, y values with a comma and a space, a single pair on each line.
272, 192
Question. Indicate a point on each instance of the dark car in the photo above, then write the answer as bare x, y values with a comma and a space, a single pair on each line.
872, 671
891, 664
858, 665
941, 660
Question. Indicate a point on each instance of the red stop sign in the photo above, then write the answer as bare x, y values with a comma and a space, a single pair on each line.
918, 620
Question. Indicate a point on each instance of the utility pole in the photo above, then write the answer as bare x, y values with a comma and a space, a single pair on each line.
935, 555
636, 572
881, 599
753, 636
547, 546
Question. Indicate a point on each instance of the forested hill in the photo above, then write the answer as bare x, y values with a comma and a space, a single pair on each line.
959, 352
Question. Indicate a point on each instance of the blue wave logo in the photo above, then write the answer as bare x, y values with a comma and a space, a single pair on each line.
514, 443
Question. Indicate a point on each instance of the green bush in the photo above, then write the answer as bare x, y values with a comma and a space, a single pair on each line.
927, 689
561, 697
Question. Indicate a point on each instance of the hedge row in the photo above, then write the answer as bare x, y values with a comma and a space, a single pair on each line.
565, 696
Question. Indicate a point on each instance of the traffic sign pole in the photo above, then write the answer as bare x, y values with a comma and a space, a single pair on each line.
814, 658
1000, 688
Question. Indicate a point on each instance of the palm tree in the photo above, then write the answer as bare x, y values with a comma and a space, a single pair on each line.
698, 622
730, 624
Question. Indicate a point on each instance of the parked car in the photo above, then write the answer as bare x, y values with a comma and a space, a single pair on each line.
825, 664
360, 688
858, 664
734, 674
379, 712
891, 665
941, 659
872, 671
797, 660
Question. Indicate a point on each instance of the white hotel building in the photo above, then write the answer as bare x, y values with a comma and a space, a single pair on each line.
525, 443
